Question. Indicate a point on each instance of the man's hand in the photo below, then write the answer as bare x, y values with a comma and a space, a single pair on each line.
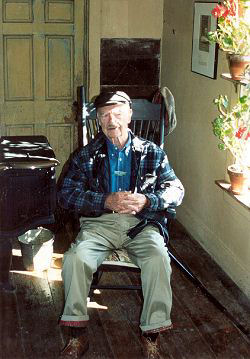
126, 202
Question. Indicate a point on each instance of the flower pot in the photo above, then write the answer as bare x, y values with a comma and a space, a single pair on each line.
239, 179
238, 65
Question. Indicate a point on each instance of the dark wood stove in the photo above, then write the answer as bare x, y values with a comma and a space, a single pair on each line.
27, 184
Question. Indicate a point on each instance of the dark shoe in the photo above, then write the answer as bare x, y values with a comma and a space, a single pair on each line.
75, 347
151, 348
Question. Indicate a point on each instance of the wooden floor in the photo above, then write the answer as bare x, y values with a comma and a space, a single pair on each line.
28, 318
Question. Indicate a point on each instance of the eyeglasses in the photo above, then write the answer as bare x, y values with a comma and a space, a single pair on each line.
116, 112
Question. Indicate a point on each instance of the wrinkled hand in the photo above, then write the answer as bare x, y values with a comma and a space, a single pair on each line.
126, 202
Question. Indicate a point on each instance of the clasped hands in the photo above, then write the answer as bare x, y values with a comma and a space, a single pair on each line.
126, 202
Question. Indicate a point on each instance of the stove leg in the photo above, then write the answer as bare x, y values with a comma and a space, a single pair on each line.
5, 265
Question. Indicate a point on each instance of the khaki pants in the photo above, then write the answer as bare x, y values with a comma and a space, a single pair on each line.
95, 241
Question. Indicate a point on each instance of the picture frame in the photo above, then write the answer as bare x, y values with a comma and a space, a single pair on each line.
204, 54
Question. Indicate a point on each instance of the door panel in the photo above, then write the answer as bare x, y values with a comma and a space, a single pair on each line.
19, 74
41, 66
59, 67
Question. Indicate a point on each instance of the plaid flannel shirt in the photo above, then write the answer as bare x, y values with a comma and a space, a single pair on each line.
86, 184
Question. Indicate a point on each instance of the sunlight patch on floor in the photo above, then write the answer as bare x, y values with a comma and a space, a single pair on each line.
54, 274
95, 305
30, 273
51, 274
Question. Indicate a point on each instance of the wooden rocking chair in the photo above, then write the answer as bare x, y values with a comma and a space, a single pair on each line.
147, 122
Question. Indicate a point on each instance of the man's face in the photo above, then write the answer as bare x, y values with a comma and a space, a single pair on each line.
114, 121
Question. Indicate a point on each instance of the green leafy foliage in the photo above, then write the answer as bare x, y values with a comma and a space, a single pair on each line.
232, 126
233, 30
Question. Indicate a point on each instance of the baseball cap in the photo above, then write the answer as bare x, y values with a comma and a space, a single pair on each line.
111, 98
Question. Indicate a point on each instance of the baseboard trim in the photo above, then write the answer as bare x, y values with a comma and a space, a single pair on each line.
213, 245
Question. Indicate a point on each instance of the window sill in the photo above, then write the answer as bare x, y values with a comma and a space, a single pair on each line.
228, 77
244, 199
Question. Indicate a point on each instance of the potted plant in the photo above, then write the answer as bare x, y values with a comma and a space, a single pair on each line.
233, 34
232, 127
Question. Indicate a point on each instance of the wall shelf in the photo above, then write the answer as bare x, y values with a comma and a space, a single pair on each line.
243, 199
236, 83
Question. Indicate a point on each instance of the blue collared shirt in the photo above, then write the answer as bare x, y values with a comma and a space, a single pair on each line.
120, 166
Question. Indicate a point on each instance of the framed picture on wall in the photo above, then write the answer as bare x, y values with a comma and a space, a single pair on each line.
204, 54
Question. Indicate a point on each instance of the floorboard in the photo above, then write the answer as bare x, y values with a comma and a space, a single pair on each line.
10, 328
37, 316
29, 318
212, 277
185, 340
220, 334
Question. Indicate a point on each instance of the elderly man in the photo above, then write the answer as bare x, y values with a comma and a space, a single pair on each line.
114, 183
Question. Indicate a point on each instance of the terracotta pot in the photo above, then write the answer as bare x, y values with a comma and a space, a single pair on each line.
237, 65
239, 179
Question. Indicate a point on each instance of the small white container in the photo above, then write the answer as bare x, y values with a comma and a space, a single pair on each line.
37, 249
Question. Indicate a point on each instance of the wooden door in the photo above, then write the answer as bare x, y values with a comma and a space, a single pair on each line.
41, 65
